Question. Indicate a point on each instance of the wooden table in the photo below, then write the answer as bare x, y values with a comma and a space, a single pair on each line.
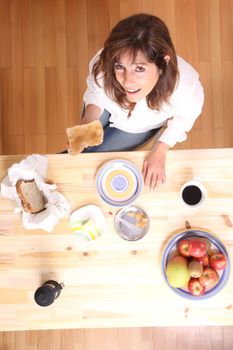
111, 282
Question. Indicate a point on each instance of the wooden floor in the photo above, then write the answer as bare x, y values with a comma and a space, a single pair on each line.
206, 338
45, 47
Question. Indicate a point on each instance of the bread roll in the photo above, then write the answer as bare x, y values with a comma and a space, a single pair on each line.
31, 197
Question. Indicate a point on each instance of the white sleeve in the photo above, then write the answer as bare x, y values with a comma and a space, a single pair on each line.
94, 94
186, 110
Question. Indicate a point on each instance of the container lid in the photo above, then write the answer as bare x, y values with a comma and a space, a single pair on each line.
44, 296
132, 223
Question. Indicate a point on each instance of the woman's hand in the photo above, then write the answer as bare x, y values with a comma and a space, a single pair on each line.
154, 166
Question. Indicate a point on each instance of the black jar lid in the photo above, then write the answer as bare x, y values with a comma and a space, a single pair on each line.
44, 296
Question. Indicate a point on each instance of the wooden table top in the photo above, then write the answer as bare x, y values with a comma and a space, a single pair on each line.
111, 282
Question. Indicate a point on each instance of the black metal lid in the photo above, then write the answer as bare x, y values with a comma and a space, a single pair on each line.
44, 296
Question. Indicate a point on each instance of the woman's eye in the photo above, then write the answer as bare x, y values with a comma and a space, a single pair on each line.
139, 69
118, 66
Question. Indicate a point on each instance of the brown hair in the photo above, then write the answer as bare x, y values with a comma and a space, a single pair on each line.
150, 35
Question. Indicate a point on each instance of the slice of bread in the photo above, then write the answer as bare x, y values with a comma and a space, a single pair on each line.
31, 197
85, 135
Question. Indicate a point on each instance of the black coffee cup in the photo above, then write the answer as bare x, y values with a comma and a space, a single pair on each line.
48, 292
193, 193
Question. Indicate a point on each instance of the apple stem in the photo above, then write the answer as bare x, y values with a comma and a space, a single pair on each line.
187, 224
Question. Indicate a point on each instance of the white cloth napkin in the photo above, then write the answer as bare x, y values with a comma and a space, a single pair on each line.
35, 167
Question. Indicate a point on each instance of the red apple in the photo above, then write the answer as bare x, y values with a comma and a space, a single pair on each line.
195, 287
183, 247
209, 277
204, 260
212, 251
218, 261
207, 242
197, 248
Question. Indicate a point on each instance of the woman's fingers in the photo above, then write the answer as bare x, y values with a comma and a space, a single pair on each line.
153, 181
150, 178
146, 174
163, 178
153, 177
156, 179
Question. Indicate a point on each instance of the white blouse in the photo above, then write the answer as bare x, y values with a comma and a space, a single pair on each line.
184, 107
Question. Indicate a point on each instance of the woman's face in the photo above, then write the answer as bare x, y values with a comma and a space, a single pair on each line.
138, 77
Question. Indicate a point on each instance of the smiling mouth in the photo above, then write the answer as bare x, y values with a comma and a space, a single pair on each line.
131, 92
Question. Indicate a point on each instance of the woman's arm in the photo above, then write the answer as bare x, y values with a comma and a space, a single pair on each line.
92, 112
187, 107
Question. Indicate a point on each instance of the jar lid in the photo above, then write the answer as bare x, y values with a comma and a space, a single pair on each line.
44, 296
132, 223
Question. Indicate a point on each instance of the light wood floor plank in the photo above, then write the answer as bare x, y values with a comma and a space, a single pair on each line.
17, 69
227, 68
5, 30
226, 27
49, 34
27, 34
216, 66
166, 338
51, 109
38, 116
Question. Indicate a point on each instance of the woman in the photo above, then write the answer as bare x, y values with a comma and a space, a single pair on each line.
136, 85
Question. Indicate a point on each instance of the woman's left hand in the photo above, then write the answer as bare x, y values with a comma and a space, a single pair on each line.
154, 166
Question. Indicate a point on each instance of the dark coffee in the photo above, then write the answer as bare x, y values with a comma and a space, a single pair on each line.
191, 195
